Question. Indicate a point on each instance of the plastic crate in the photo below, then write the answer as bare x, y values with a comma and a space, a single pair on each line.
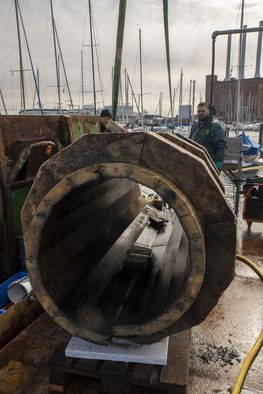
4, 300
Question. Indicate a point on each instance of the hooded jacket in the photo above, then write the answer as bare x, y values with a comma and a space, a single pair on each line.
209, 133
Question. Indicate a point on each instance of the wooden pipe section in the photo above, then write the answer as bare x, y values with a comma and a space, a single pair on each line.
97, 263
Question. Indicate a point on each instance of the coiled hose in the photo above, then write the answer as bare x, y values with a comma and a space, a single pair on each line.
259, 342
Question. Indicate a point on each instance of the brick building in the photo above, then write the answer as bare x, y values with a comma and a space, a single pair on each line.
225, 99
251, 89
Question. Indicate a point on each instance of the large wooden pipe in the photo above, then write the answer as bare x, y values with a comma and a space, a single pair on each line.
86, 228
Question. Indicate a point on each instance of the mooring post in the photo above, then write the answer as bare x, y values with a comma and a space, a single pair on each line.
260, 137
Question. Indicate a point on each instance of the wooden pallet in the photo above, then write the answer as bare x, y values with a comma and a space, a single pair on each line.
115, 377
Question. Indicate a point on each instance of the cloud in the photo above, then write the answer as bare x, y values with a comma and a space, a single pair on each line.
191, 24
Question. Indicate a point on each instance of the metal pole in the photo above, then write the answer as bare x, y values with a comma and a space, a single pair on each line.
121, 97
59, 75
3, 101
64, 69
56, 56
22, 83
239, 65
180, 99
212, 71
126, 94
260, 137
141, 88
161, 104
133, 95
227, 77
220, 33
190, 95
82, 82
31, 62
166, 32
38, 86
190, 98
92, 59
259, 45
118, 56
193, 104
243, 54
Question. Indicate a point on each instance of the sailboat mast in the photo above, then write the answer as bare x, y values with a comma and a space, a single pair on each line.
126, 94
133, 94
118, 56
56, 55
161, 104
3, 101
193, 102
166, 31
190, 98
64, 69
37, 87
239, 64
82, 82
122, 103
141, 87
92, 59
22, 83
180, 99
30, 59
190, 94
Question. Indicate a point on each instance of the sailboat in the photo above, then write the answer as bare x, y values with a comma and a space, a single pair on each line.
251, 152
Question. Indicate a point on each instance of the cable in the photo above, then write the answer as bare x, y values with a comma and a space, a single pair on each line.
251, 265
259, 342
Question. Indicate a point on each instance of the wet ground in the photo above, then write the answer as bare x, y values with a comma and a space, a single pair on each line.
218, 347
221, 343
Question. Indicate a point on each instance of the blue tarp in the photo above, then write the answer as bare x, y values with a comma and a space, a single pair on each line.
4, 300
253, 149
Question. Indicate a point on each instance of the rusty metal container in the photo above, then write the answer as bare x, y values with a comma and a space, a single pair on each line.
86, 228
25, 143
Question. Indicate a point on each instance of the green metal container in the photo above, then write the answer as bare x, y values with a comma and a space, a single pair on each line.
25, 143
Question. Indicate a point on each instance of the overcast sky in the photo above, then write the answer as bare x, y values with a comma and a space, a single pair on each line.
191, 24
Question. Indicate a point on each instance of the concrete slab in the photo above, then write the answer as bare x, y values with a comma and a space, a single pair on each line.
155, 353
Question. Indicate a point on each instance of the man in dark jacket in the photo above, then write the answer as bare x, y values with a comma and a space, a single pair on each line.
209, 133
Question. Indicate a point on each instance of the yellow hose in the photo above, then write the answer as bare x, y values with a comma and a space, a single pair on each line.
251, 265
258, 344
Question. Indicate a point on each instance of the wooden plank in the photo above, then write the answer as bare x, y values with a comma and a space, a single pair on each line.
55, 388
17, 317
46, 327
115, 369
68, 215
105, 270
118, 299
58, 358
164, 253
136, 279
145, 374
92, 254
76, 240
177, 368
84, 367
173, 377
145, 284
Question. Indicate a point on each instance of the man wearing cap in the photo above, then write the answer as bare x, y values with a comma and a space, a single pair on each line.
105, 116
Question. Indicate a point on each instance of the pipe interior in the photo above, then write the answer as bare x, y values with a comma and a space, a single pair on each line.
104, 264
